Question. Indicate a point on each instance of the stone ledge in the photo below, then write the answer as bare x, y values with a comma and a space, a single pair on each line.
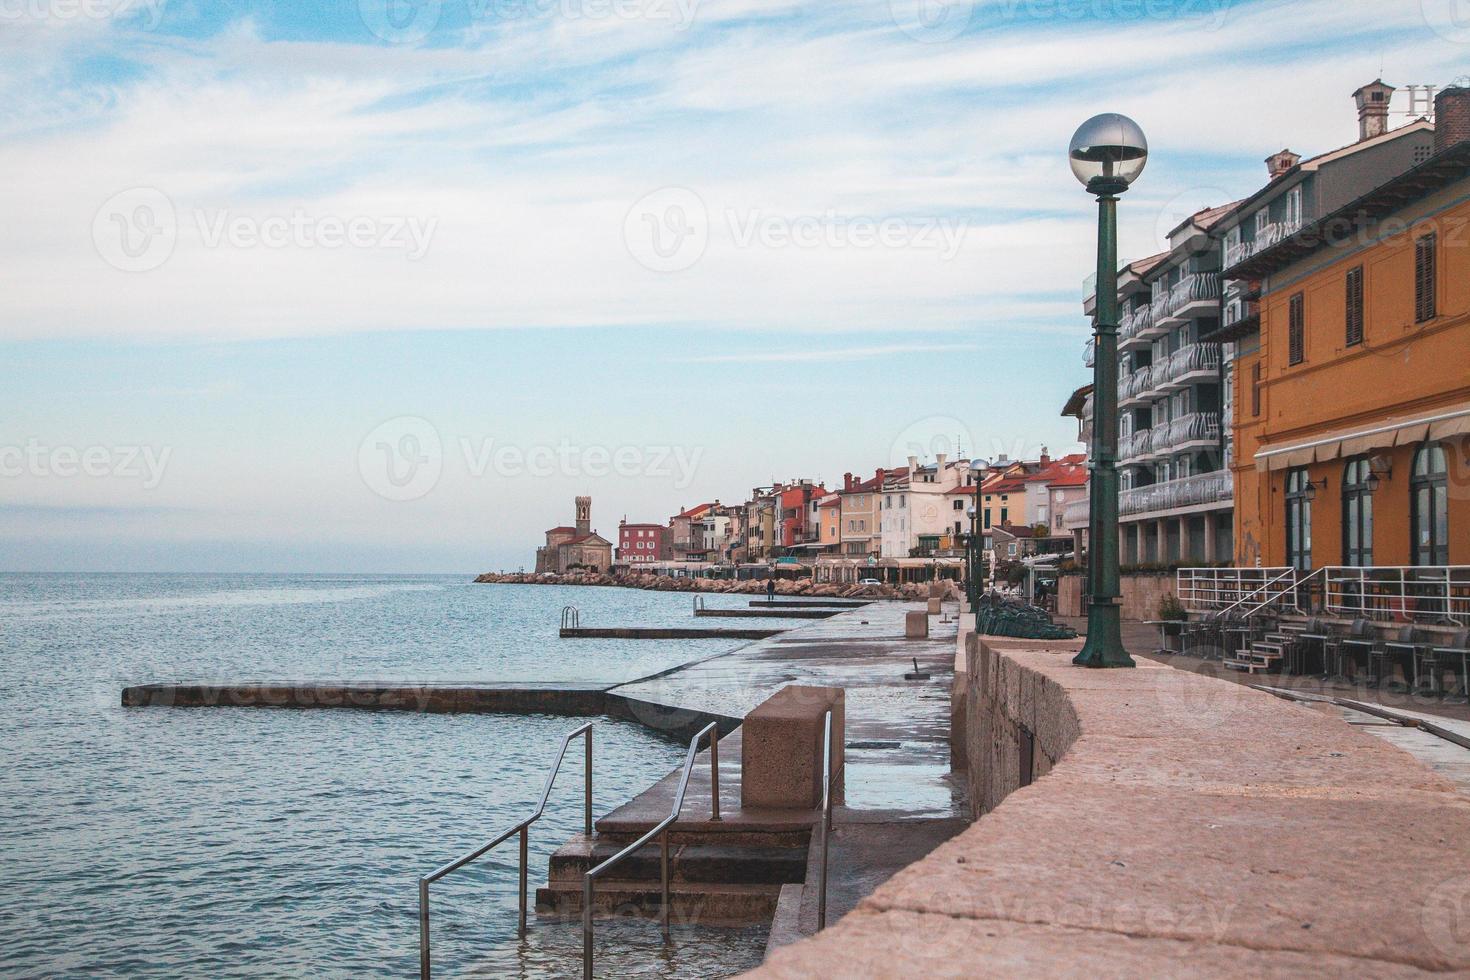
1177, 823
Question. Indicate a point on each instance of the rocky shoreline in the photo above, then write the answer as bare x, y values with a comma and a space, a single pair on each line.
912, 591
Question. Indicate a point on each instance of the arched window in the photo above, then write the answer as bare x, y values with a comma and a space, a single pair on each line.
1298, 519
1429, 506
1357, 514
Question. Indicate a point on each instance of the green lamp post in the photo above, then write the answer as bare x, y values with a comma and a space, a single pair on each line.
972, 553
1107, 154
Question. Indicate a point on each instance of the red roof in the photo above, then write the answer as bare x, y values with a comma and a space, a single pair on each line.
1005, 485
1071, 476
559, 530
965, 491
694, 511
831, 500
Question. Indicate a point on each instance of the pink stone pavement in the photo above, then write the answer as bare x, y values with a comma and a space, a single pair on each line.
1186, 826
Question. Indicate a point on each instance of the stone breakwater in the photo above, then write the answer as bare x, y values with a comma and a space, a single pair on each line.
910, 592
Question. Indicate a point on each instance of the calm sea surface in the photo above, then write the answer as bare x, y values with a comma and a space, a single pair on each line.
207, 842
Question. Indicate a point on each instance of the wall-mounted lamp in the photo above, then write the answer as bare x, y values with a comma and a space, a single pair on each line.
1311, 488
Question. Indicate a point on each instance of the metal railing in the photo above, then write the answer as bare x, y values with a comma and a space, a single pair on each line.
1194, 427
1201, 488
825, 818
1197, 287
659, 830
523, 829
1400, 594
571, 617
1211, 589
1089, 353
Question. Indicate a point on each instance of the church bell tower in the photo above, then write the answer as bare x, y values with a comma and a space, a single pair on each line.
584, 515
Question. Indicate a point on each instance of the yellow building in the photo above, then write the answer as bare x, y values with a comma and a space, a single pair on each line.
1352, 400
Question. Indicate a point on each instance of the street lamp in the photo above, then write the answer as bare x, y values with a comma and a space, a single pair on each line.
972, 571
1107, 154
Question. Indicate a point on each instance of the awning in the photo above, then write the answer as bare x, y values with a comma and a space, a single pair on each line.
1402, 431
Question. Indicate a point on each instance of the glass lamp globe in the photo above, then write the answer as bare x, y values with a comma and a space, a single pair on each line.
1108, 153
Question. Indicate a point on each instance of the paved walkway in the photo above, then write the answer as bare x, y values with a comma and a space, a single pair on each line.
897, 750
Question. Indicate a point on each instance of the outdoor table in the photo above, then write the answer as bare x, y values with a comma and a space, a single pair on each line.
1351, 645
1408, 650
1462, 689
1245, 635
1163, 625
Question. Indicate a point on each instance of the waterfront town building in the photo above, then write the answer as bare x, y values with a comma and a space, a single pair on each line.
798, 530
1353, 374
861, 538
915, 514
642, 543
762, 526
829, 523
1178, 318
576, 547
686, 533
1003, 494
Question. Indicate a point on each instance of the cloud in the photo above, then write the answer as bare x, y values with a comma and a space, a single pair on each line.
825, 354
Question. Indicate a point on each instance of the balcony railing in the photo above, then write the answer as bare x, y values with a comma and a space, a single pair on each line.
1088, 353
1134, 446
1191, 359
1194, 427
1159, 308
1136, 322
1189, 491
1265, 238
1134, 384
1075, 515
1198, 287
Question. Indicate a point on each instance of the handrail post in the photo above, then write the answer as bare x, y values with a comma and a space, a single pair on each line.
587, 789
825, 818
714, 775
423, 929
525, 842
587, 927
663, 911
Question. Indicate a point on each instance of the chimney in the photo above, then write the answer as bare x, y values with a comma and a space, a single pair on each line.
1045, 458
1451, 117
939, 459
1279, 163
1372, 101
913, 464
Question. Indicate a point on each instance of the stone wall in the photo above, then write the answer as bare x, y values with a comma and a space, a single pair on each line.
1141, 595
1175, 824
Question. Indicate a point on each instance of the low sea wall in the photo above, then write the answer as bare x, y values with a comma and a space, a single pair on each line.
1141, 595
1156, 822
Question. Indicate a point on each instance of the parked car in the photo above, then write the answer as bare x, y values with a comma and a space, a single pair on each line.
869, 581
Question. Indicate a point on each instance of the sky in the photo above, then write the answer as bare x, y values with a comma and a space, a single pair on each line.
381, 285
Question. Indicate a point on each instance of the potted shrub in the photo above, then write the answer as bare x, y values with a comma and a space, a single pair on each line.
1172, 614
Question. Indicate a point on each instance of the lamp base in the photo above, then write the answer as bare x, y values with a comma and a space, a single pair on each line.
1104, 645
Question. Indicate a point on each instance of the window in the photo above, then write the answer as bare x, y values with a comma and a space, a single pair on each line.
1263, 218
1424, 278
1299, 519
1296, 330
1357, 514
959, 504
1004, 516
1429, 506
1355, 306
1256, 389
1294, 207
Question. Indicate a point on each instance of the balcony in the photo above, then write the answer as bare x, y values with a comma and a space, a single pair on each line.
1133, 387
1265, 237
1136, 327
1191, 363
1192, 431
1075, 515
1238, 253
1133, 449
1089, 353
1197, 294
1158, 315
1190, 491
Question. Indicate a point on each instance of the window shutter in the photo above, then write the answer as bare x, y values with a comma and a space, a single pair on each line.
1355, 306
1424, 279
1296, 330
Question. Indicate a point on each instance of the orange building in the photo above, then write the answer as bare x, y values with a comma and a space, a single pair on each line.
1352, 398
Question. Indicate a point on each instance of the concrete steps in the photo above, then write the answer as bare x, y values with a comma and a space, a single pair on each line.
706, 904
688, 863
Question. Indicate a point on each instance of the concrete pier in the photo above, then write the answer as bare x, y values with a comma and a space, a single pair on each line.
663, 633
572, 701
769, 613
827, 603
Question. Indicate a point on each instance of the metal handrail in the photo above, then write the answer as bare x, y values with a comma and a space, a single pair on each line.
826, 819
523, 828
1296, 586
571, 617
660, 830
1290, 572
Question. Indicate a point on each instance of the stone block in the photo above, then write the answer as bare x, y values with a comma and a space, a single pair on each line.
916, 625
781, 749
936, 606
